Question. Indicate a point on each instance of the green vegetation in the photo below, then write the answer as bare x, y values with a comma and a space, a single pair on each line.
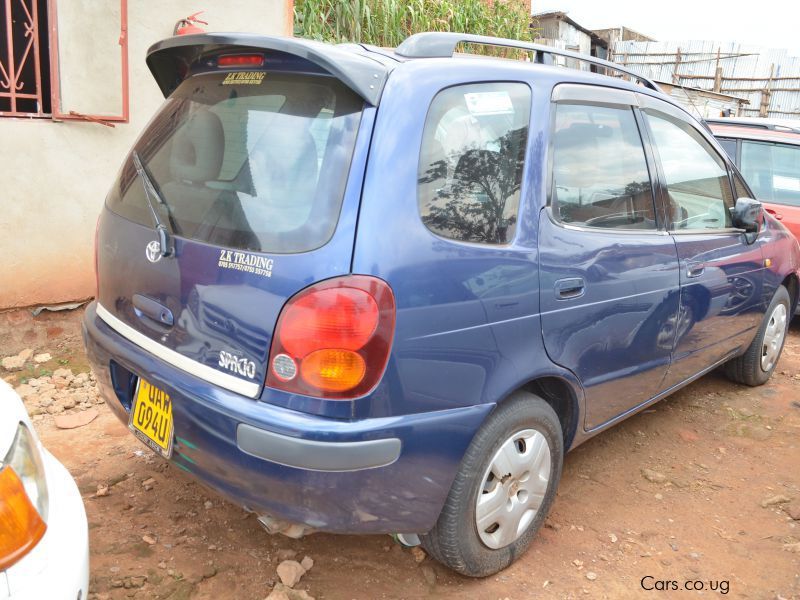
386, 23
34, 372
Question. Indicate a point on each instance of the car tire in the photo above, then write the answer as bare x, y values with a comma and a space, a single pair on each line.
522, 438
756, 365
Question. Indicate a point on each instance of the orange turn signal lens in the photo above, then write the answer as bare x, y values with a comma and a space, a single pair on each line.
21, 527
333, 370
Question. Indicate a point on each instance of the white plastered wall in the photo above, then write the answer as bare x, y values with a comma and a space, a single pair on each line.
55, 175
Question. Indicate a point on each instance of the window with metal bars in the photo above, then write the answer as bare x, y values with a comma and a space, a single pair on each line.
24, 59
44, 76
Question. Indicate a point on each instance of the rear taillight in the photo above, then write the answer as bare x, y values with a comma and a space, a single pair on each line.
333, 339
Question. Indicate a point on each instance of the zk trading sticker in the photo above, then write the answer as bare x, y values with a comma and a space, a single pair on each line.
245, 262
244, 78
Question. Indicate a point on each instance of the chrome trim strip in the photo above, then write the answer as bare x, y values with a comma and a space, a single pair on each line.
720, 231
611, 230
209, 374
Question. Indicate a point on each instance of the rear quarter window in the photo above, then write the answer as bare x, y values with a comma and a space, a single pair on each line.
471, 161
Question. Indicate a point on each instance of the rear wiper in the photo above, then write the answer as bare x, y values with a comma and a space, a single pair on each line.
150, 188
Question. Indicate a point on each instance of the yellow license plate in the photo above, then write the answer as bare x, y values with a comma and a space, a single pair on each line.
151, 418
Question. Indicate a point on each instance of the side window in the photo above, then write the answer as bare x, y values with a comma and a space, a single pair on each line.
740, 188
699, 191
471, 161
729, 146
773, 171
600, 176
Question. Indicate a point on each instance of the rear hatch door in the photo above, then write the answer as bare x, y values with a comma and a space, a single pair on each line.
256, 173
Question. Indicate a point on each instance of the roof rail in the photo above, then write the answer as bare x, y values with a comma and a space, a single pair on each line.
442, 44
764, 124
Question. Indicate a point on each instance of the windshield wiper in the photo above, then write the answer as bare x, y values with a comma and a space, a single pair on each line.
150, 188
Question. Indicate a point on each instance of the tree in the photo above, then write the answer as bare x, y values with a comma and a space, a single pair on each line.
472, 205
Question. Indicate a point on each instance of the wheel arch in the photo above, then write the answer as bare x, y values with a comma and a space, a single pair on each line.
563, 398
791, 284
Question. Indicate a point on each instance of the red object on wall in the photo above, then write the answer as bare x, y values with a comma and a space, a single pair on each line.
189, 25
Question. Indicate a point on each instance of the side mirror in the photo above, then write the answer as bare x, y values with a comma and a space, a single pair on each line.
748, 214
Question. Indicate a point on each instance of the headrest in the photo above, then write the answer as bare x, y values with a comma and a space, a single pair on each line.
198, 148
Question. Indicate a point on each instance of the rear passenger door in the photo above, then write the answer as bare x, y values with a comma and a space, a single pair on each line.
721, 268
609, 284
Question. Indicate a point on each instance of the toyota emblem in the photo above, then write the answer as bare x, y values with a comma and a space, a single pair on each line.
153, 251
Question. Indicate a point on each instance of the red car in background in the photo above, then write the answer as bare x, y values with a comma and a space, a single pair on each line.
767, 152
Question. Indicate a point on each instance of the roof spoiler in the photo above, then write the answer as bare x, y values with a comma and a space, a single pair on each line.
170, 60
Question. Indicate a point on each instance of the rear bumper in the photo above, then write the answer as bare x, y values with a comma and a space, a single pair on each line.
383, 475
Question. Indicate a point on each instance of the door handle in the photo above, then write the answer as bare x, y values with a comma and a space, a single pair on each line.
694, 270
571, 287
144, 306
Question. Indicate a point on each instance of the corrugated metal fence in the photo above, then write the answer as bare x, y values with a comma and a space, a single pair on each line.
769, 79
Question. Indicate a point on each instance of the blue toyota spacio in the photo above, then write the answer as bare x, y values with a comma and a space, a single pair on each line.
360, 290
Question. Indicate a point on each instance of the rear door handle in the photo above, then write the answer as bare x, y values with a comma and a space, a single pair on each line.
571, 287
144, 306
694, 270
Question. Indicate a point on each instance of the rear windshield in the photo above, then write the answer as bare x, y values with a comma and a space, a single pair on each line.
255, 163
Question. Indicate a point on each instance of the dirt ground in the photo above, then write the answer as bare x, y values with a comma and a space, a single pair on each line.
701, 488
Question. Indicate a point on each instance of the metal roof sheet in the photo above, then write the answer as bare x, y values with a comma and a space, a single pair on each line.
746, 70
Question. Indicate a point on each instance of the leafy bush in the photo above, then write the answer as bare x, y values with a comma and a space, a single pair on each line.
386, 23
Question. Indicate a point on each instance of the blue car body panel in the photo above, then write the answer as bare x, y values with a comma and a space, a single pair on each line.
404, 496
614, 336
721, 299
474, 322
455, 301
